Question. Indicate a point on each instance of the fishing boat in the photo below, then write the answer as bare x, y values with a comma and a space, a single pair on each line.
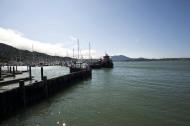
107, 62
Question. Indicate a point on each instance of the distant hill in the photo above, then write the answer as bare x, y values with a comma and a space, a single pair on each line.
124, 58
162, 59
9, 54
120, 58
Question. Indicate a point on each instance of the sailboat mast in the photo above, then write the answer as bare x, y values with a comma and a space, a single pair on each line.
32, 54
73, 53
78, 47
89, 50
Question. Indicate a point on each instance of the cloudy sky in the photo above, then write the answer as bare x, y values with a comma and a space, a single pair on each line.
135, 28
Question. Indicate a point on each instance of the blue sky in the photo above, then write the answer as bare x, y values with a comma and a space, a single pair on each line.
135, 28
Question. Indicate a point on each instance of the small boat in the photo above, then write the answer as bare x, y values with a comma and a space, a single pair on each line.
96, 65
78, 66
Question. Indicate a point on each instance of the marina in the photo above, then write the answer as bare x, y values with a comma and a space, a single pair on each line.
22, 86
94, 63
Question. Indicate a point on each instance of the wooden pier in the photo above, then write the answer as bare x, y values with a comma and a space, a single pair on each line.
24, 95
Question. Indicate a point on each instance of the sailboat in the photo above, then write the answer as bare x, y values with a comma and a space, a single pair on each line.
78, 65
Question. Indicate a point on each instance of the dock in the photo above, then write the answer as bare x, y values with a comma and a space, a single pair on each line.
19, 93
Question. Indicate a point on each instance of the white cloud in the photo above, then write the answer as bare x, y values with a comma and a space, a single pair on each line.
18, 40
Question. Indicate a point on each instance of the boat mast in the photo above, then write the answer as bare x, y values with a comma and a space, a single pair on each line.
32, 54
78, 47
89, 50
73, 53
90, 58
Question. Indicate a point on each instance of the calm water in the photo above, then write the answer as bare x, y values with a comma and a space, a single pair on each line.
131, 94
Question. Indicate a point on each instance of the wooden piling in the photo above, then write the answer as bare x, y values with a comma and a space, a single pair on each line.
30, 73
22, 93
10, 69
7, 68
45, 86
0, 72
42, 74
1, 77
13, 70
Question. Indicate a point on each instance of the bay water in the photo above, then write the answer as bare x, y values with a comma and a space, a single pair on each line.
155, 93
